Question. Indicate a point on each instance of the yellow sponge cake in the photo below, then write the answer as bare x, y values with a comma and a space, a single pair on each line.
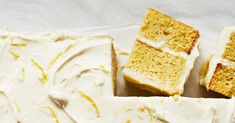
219, 74
153, 63
229, 52
174, 34
163, 55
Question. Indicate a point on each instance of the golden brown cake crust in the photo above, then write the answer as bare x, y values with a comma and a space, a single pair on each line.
114, 70
178, 36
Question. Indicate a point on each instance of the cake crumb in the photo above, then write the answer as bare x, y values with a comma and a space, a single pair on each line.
175, 97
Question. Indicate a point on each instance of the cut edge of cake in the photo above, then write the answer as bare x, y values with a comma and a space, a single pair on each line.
153, 85
114, 69
172, 34
188, 55
212, 71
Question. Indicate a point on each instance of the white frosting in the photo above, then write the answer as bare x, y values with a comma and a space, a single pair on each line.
217, 57
148, 81
81, 79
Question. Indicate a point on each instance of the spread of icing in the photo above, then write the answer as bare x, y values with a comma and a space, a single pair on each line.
78, 86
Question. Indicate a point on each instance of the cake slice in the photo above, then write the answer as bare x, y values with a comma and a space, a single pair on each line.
168, 32
163, 55
218, 74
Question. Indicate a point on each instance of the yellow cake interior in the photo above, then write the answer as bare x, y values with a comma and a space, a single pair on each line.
161, 54
156, 64
177, 36
223, 80
229, 52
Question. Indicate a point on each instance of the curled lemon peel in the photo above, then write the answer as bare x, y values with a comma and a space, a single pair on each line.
19, 44
23, 44
59, 55
101, 68
104, 70
123, 53
150, 115
22, 73
55, 59
128, 120
129, 109
140, 117
122, 67
44, 78
25, 39
142, 109
89, 99
86, 71
52, 113
64, 37
3, 36
17, 107
14, 54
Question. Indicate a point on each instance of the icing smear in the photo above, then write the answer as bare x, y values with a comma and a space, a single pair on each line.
82, 100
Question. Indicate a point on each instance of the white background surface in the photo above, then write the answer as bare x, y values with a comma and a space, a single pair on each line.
208, 16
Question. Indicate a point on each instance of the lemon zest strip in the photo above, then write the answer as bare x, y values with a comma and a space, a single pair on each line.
17, 107
22, 73
52, 113
18, 44
59, 55
89, 99
128, 120
150, 115
142, 109
129, 109
14, 54
104, 70
44, 78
